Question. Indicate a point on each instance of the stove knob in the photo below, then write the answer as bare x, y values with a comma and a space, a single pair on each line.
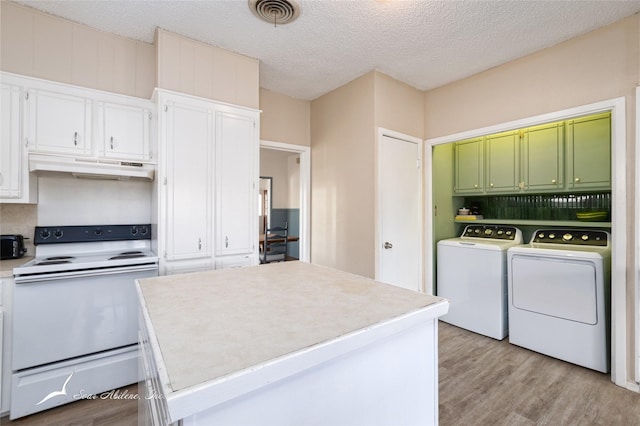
58, 233
134, 230
45, 233
145, 230
567, 237
584, 237
97, 232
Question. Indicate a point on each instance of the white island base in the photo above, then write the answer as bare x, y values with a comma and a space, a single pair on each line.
287, 344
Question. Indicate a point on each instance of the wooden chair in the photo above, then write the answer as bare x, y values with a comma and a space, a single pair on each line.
275, 244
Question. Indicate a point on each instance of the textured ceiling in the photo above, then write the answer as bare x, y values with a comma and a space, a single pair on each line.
424, 43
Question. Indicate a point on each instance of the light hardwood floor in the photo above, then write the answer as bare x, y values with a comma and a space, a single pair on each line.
482, 382
98, 412
488, 382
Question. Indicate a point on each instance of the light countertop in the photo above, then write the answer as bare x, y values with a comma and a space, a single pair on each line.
212, 324
6, 266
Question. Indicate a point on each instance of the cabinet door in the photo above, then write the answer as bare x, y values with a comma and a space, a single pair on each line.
124, 131
236, 196
502, 171
542, 158
11, 147
188, 137
468, 160
59, 123
589, 152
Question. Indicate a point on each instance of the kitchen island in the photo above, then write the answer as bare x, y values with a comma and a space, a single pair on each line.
287, 344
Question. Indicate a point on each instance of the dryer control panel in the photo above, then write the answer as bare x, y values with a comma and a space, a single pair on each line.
576, 237
494, 232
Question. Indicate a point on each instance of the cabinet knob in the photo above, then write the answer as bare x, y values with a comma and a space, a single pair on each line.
199, 244
577, 179
491, 185
475, 186
553, 181
226, 242
112, 142
75, 138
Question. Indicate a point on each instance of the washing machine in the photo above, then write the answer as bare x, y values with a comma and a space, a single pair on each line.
559, 295
472, 273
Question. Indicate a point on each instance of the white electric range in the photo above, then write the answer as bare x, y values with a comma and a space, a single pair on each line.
75, 314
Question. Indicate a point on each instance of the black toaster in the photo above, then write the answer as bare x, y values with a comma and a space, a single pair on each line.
12, 246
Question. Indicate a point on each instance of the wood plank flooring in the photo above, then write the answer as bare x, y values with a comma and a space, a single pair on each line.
98, 412
482, 382
488, 382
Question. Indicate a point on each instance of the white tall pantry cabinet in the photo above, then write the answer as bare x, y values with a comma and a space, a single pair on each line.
206, 186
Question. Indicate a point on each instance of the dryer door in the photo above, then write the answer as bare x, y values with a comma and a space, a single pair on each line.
564, 288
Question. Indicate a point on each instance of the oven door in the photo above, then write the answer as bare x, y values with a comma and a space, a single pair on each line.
60, 316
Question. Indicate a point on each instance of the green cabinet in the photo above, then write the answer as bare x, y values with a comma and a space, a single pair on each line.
565, 156
542, 158
468, 166
502, 170
589, 152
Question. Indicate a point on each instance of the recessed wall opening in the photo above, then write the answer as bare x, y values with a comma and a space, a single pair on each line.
618, 211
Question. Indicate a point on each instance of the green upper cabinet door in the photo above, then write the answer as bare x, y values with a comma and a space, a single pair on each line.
502, 154
589, 152
468, 168
542, 158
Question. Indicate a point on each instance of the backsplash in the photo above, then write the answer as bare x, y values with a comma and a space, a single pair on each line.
541, 207
19, 219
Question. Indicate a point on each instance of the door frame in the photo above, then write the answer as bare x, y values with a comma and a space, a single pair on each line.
636, 269
305, 191
378, 200
617, 106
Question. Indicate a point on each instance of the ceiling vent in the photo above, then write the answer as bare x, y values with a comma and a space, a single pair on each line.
276, 12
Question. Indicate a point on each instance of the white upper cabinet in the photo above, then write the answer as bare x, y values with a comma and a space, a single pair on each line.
123, 131
71, 121
15, 185
236, 200
58, 123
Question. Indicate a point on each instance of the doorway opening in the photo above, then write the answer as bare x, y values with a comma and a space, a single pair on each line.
289, 168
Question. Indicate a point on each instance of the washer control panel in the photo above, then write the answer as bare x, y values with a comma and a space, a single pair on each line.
580, 237
494, 232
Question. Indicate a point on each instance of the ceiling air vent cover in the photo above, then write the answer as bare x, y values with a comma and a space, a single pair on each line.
276, 12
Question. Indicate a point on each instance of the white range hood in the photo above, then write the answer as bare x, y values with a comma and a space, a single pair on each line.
90, 168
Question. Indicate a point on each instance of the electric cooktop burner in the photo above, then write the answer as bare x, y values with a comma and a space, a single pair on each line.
128, 255
53, 262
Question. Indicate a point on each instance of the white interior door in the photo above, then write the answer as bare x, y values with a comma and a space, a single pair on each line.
399, 238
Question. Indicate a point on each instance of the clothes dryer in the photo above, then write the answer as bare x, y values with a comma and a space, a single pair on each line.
472, 274
559, 295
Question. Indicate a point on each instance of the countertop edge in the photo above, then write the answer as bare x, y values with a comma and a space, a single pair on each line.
187, 402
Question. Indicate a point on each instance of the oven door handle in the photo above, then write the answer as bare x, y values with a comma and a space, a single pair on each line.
27, 279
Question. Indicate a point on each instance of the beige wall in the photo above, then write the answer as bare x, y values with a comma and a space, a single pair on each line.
342, 176
44, 46
600, 65
278, 166
200, 69
344, 125
398, 106
284, 119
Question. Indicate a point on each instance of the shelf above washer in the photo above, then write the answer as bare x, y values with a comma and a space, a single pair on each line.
523, 222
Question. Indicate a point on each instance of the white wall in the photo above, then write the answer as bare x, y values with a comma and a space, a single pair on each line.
65, 200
